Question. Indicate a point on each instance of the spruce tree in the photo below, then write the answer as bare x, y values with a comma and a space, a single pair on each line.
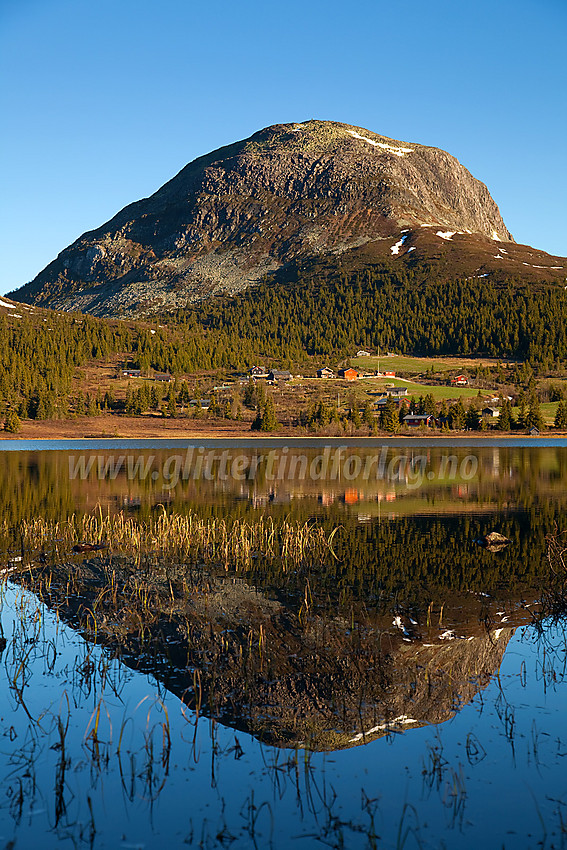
41, 408
80, 404
155, 397
561, 416
249, 397
109, 400
522, 409
429, 405
145, 396
12, 423
389, 418
183, 396
505, 419
368, 415
472, 418
534, 418
457, 415
268, 420
129, 403
260, 394
355, 414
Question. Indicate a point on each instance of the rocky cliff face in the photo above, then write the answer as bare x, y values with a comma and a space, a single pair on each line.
289, 192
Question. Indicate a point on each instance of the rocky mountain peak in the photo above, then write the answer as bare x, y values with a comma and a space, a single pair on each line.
289, 193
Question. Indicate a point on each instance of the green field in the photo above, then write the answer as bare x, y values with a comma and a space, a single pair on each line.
548, 411
417, 365
414, 389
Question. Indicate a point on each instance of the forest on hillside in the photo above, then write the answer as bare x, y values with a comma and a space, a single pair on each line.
297, 323
328, 314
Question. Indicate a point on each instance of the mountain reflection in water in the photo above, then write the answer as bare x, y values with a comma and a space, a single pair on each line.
292, 671
400, 628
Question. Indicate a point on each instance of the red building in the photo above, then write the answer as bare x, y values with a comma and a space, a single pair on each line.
348, 374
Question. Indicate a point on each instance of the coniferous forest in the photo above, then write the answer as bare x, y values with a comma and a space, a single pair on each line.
294, 322
327, 314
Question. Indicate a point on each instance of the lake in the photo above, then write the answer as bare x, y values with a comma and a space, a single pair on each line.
283, 644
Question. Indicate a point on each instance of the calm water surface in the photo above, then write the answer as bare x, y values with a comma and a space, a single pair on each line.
406, 692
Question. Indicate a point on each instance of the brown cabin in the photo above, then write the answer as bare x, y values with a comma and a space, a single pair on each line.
279, 375
414, 420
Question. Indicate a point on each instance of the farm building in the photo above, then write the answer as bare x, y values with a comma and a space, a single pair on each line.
325, 372
348, 374
490, 413
382, 402
414, 420
279, 375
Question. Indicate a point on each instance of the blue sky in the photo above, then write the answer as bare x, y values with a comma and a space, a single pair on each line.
103, 102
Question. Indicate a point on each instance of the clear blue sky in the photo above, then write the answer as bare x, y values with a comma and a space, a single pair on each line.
103, 102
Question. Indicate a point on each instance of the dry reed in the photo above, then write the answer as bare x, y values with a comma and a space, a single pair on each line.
187, 537
553, 601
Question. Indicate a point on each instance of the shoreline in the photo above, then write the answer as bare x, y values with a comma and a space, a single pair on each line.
133, 429
104, 432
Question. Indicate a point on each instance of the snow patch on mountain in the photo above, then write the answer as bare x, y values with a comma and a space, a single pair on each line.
395, 249
397, 151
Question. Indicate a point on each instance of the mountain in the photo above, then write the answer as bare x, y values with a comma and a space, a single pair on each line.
288, 195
